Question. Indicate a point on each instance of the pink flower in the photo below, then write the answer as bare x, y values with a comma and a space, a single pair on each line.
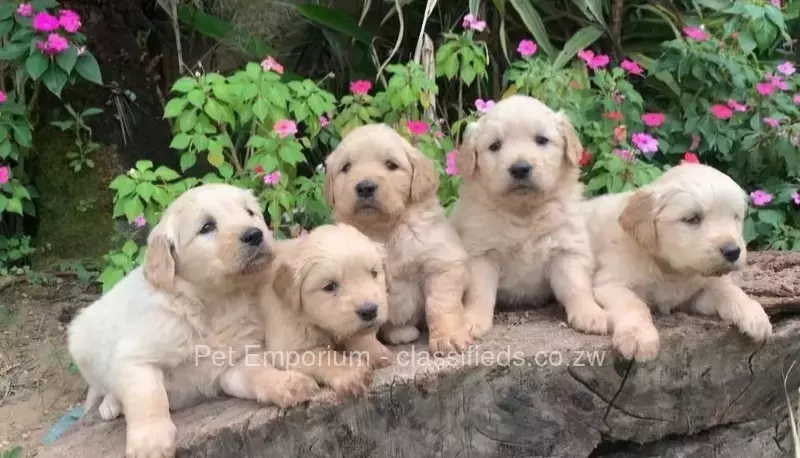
721, 111
585, 158
323, 121
796, 99
772, 122
620, 133
765, 88
270, 64
55, 44
653, 119
272, 178
360, 87
787, 68
285, 127
25, 10
3, 97
450, 163
646, 143
614, 116
438, 134
69, 20
484, 105
470, 22
417, 127
527, 48
592, 61
776, 81
760, 198
690, 158
139, 221
258, 169
624, 154
631, 67
45, 22
736, 106
5, 174
796, 197
695, 33
776, 3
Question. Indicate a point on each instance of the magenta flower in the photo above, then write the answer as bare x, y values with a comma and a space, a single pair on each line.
285, 127
450, 163
417, 127
776, 3
765, 88
631, 67
272, 178
360, 87
796, 197
484, 106
270, 64
720, 111
696, 33
55, 44
646, 143
69, 20
593, 61
139, 221
653, 119
25, 10
3, 97
5, 174
624, 154
323, 121
796, 99
736, 106
470, 22
777, 81
787, 68
759, 198
527, 48
771, 122
45, 22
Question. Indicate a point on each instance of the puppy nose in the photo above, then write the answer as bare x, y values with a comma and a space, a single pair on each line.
730, 252
252, 236
368, 311
366, 188
520, 170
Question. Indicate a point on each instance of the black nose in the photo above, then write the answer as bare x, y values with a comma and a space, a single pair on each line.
252, 236
730, 252
368, 311
366, 188
520, 170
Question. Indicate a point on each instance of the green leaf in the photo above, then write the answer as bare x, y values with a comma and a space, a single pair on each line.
774, 14
197, 97
185, 84
110, 277
145, 190
7, 10
583, 38
226, 170
87, 67
215, 110
6, 26
130, 248
336, 20
774, 218
91, 112
215, 156
188, 160
746, 41
530, 17
36, 64
54, 79
22, 134
181, 141
67, 59
143, 165
14, 205
13, 51
175, 107
133, 207
123, 184
166, 173
261, 109
223, 31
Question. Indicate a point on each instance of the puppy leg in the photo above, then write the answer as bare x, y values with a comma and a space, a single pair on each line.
735, 306
571, 281
444, 310
634, 334
378, 355
346, 375
110, 408
150, 431
405, 307
266, 384
480, 296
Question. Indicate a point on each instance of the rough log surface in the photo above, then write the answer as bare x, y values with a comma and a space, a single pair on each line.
531, 389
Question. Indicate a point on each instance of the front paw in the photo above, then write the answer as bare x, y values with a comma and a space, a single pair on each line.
755, 323
590, 319
151, 439
285, 388
450, 341
400, 335
110, 408
479, 324
636, 341
351, 379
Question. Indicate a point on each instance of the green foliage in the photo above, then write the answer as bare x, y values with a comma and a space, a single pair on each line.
84, 145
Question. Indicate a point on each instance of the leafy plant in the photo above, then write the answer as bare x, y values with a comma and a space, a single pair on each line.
83, 137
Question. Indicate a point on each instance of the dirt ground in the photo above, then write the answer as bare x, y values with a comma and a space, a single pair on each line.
37, 385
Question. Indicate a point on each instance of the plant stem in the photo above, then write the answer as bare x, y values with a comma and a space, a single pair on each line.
34, 98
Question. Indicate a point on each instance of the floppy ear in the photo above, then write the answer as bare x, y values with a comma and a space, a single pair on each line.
286, 285
467, 155
572, 145
327, 187
424, 179
159, 261
638, 219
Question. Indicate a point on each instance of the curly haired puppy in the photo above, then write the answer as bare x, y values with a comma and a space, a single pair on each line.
383, 186
518, 215
671, 243
328, 295
146, 346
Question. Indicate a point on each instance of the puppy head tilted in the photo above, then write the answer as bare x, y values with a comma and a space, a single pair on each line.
690, 219
520, 148
335, 278
375, 174
212, 237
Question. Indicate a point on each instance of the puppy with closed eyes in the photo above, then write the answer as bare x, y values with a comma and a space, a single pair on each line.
145, 346
324, 306
517, 215
379, 183
671, 243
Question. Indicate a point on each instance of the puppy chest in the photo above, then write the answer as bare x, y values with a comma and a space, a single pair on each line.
667, 295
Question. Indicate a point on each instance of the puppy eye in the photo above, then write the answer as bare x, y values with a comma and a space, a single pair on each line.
392, 165
541, 141
374, 273
693, 220
495, 147
208, 227
330, 287
250, 212
346, 168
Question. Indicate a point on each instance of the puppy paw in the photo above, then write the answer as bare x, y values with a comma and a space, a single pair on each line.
401, 335
285, 388
153, 439
478, 325
590, 320
638, 342
110, 408
756, 324
354, 379
450, 342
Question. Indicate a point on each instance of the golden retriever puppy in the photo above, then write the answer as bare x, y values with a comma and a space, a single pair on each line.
176, 330
379, 183
518, 218
323, 310
671, 243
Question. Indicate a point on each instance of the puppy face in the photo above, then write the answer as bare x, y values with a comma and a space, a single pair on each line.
212, 236
375, 174
335, 277
691, 219
520, 147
